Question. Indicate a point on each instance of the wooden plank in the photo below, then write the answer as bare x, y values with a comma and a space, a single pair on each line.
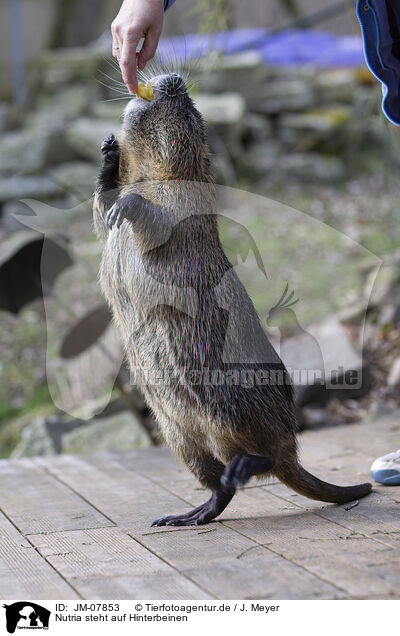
219, 559
315, 544
23, 572
157, 464
232, 566
270, 543
125, 497
375, 516
105, 563
36, 502
372, 438
361, 566
344, 454
360, 442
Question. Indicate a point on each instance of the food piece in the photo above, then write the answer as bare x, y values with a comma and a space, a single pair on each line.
145, 91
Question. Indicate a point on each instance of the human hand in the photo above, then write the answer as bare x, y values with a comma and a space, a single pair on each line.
136, 19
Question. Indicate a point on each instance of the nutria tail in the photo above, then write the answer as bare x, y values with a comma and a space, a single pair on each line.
297, 478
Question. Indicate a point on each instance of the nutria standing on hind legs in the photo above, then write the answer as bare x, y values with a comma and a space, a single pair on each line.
170, 287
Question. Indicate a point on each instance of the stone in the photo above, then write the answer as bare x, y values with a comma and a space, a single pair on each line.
394, 374
385, 284
35, 440
61, 66
232, 73
75, 177
51, 433
308, 130
9, 211
118, 432
311, 166
279, 96
224, 169
339, 85
22, 152
262, 157
66, 104
29, 186
256, 128
221, 110
324, 350
57, 216
353, 314
4, 115
84, 136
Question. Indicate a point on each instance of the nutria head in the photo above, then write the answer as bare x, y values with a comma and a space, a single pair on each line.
164, 139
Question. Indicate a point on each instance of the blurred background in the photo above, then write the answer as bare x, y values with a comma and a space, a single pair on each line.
293, 119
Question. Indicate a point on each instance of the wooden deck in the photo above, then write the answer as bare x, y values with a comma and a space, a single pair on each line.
79, 527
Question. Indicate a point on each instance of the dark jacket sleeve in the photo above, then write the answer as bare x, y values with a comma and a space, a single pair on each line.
380, 28
168, 4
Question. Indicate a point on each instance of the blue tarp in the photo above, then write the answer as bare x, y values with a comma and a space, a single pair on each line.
293, 47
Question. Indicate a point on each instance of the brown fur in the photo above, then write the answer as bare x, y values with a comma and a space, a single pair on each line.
180, 306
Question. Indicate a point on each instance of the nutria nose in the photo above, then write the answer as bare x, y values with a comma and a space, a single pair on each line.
172, 85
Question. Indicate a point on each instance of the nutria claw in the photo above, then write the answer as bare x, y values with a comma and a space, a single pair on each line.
198, 516
109, 144
193, 518
115, 216
122, 209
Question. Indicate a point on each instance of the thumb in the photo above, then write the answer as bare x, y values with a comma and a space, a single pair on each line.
149, 47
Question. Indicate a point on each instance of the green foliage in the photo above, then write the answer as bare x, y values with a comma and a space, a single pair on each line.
292, 7
13, 420
216, 15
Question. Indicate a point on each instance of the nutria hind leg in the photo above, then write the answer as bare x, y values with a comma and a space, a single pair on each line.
242, 467
237, 473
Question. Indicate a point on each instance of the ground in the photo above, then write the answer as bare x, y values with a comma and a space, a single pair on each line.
79, 527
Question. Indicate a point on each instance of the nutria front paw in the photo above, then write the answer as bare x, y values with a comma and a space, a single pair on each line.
114, 216
122, 209
110, 147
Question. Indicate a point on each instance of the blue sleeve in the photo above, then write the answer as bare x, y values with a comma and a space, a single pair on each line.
168, 4
380, 27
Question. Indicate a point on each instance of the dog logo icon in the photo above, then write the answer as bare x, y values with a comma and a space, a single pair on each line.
26, 615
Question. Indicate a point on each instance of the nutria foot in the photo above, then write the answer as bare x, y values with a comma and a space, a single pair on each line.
202, 514
237, 473
242, 467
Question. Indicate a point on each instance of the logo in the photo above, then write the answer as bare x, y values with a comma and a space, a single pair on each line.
26, 615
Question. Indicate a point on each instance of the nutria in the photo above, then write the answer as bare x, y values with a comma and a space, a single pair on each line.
183, 314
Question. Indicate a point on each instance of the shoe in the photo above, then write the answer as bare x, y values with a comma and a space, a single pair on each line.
386, 469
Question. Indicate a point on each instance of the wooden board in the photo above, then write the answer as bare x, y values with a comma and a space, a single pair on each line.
36, 502
106, 563
219, 559
23, 572
79, 526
